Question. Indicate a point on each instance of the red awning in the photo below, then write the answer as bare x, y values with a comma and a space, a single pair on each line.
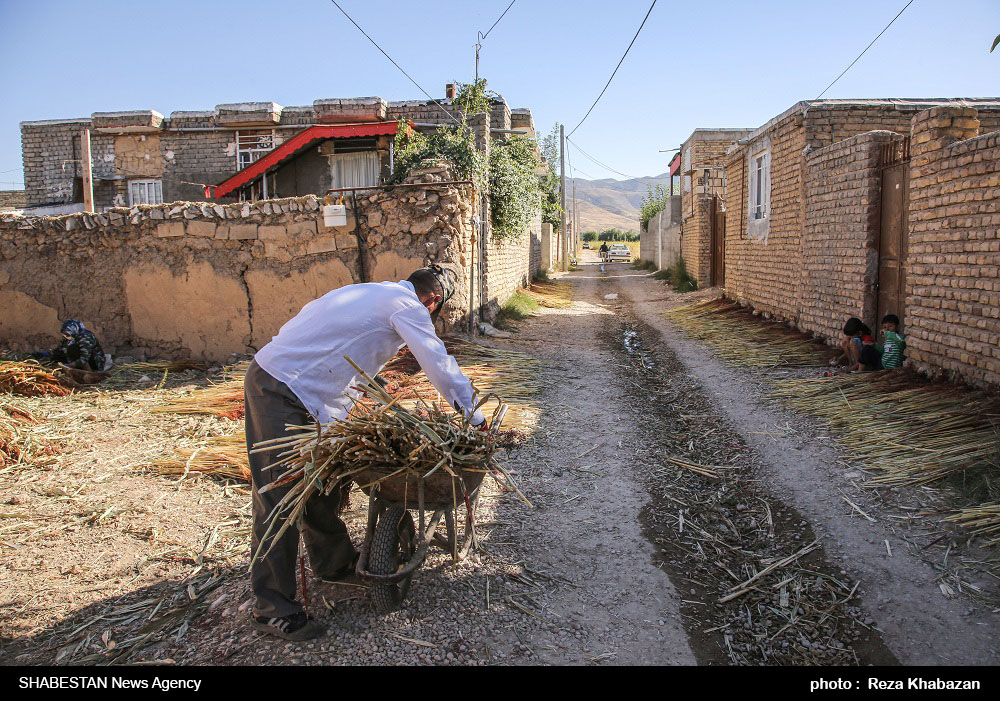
296, 145
675, 164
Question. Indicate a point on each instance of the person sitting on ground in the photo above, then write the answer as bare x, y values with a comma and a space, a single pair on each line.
79, 348
851, 346
893, 343
870, 359
302, 376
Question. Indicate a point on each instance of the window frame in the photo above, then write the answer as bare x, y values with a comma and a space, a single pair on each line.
146, 183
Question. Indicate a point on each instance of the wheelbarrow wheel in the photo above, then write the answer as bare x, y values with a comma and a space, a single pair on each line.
393, 544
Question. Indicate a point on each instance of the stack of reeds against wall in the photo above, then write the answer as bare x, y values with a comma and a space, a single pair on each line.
381, 441
739, 337
908, 430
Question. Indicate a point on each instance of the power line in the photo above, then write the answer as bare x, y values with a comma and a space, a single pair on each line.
450, 115
617, 67
483, 36
602, 165
866, 49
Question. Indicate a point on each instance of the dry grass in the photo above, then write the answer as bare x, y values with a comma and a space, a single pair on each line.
29, 379
551, 293
739, 337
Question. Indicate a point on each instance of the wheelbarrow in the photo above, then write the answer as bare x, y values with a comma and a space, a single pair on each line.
394, 547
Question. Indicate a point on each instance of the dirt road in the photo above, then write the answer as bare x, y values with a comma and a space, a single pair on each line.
679, 517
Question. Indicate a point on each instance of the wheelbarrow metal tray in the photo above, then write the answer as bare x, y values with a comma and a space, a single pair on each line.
438, 489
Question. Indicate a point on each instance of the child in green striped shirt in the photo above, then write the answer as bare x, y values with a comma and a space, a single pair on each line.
893, 343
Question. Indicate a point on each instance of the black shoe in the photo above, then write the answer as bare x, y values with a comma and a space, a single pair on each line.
297, 626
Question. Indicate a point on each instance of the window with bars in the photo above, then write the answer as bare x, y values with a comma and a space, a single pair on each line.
252, 145
760, 185
145, 192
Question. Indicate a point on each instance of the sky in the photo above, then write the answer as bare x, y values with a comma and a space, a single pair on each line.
695, 64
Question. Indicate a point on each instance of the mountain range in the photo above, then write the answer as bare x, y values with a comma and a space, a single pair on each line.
608, 203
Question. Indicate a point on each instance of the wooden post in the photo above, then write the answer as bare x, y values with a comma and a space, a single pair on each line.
88, 173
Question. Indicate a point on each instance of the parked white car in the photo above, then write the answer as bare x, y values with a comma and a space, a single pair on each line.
619, 252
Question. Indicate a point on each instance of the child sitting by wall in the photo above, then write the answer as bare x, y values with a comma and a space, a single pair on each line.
893, 342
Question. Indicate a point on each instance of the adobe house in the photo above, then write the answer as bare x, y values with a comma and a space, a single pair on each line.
142, 157
703, 190
792, 246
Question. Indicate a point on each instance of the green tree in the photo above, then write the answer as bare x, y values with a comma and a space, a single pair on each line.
588, 236
548, 146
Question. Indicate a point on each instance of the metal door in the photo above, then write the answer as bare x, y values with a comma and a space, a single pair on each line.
892, 241
718, 224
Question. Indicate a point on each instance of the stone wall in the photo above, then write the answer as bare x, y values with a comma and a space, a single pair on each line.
953, 261
202, 280
840, 242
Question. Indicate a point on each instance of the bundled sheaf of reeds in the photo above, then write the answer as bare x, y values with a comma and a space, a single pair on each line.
221, 456
380, 440
739, 337
29, 379
912, 432
224, 400
18, 444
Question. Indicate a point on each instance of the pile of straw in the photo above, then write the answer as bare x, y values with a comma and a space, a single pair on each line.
737, 336
379, 441
221, 456
224, 400
29, 379
552, 294
20, 446
909, 430
982, 520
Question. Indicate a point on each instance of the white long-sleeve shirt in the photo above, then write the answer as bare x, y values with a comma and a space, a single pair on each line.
369, 322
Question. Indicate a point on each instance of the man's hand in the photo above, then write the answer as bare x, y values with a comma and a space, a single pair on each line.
484, 426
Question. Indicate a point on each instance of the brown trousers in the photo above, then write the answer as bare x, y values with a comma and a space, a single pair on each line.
270, 405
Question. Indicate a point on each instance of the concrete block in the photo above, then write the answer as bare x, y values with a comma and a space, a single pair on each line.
243, 232
202, 229
170, 229
301, 229
271, 232
324, 244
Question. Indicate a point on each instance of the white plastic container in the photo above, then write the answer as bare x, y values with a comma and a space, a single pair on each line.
335, 215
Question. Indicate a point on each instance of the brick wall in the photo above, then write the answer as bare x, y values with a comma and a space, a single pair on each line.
953, 264
840, 244
12, 199
766, 272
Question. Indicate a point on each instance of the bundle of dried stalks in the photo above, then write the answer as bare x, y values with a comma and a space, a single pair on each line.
910, 430
736, 335
161, 365
29, 379
383, 443
222, 456
224, 400
19, 444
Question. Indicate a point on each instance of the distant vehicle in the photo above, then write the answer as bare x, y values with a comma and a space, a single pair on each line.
586, 244
619, 252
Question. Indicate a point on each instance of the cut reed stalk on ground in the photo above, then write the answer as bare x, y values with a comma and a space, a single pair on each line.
739, 337
908, 430
552, 293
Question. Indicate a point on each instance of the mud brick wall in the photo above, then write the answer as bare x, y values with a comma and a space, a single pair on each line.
203, 280
12, 199
766, 272
507, 266
535, 251
663, 230
840, 242
708, 149
953, 261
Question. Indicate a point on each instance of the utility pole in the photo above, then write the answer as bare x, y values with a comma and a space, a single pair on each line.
88, 173
576, 221
562, 217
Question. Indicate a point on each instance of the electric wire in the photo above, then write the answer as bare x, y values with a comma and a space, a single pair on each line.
616, 68
351, 19
482, 37
602, 165
866, 49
